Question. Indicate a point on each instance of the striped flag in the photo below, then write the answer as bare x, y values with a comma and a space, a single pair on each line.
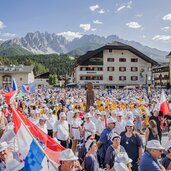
51, 148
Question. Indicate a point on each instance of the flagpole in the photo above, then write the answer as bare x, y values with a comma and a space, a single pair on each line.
34, 139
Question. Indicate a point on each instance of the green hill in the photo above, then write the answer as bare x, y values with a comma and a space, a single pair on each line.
13, 50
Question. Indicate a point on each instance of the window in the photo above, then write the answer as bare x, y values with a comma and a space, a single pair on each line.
21, 79
134, 78
134, 69
83, 69
134, 59
110, 59
110, 68
122, 69
110, 50
122, 59
110, 78
122, 78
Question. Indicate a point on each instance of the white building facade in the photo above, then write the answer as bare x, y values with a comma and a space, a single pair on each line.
114, 65
22, 75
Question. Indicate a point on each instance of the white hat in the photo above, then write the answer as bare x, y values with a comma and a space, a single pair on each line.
50, 111
62, 115
5, 105
119, 113
103, 113
67, 155
129, 123
43, 117
3, 146
91, 107
88, 144
87, 115
122, 157
97, 112
114, 135
110, 120
14, 165
168, 145
154, 144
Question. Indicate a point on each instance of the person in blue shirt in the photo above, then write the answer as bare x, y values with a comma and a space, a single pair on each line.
149, 160
91, 163
132, 143
105, 141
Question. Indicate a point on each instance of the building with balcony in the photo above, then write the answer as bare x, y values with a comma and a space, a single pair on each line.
161, 75
169, 56
113, 65
22, 75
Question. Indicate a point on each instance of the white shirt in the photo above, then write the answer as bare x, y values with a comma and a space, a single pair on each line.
51, 122
89, 127
70, 116
120, 126
43, 127
62, 130
34, 121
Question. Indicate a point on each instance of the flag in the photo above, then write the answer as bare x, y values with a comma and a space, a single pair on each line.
14, 85
52, 148
164, 106
29, 150
8, 96
28, 88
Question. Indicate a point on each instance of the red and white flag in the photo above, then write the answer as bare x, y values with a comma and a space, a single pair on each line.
164, 105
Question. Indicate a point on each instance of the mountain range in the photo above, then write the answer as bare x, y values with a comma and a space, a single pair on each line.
47, 43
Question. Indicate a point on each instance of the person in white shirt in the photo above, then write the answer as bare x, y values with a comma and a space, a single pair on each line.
75, 130
61, 130
120, 123
89, 126
100, 126
33, 117
42, 123
50, 122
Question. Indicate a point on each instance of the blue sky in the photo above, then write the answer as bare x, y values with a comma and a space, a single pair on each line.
145, 21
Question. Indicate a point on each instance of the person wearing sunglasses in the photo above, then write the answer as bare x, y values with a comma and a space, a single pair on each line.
149, 160
132, 143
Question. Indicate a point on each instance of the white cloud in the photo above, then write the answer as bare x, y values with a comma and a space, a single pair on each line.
85, 27
127, 5
133, 25
163, 38
121, 8
167, 17
94, 7
7, 36
138, 15
97, 22
93, 29
101, 11
2, 25
167, 28
69, 35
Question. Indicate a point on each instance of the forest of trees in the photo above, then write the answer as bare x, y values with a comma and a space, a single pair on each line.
56, 64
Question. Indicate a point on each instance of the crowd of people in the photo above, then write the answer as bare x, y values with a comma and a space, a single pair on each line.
122, 131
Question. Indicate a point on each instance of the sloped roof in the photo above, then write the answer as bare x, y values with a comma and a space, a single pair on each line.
114, 46
16, 69
44, 75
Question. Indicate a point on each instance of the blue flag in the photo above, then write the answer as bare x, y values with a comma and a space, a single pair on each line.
14, 85
28, 88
